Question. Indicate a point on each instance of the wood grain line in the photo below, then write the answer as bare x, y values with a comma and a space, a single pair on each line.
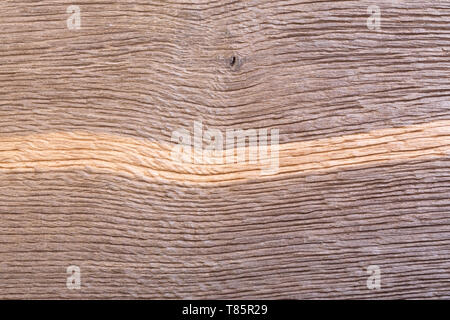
145, 159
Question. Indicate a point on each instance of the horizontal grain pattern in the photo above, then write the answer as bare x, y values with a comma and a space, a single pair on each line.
363, 119
292, 259
227, 100
60, 151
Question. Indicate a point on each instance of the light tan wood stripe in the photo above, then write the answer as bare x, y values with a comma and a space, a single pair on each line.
149, 160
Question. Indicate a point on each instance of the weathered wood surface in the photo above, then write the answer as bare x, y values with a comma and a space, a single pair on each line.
86, 122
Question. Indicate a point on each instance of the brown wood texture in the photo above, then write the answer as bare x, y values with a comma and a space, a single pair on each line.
86, 176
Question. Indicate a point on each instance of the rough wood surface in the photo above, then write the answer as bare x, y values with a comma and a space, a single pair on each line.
86, 177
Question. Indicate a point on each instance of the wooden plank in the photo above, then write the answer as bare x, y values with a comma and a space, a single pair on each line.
88, 177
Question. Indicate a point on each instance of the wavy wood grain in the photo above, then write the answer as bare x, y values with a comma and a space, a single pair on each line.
86, 176
138, 158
